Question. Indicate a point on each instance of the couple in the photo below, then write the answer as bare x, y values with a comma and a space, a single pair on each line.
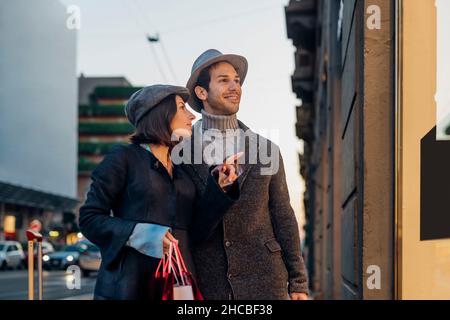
235, 226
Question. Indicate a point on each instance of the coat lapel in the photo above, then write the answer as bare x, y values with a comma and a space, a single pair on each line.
247, 166
199, 167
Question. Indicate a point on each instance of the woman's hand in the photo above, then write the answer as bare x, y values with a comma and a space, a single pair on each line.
168, 238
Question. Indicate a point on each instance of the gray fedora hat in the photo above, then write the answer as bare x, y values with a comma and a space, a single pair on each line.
145, 99
207, 58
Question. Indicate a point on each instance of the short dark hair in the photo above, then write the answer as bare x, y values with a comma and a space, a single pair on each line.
154, 127
203, 80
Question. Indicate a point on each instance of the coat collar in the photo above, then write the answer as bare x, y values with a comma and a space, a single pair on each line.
155, 163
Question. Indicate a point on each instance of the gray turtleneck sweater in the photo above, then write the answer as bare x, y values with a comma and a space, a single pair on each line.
219, 122
220, 132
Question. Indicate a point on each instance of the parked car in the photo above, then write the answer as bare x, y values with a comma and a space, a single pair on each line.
60, 260
47, 247
11, 255
90, 257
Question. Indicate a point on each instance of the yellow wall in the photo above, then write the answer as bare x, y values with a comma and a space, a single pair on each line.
425, 265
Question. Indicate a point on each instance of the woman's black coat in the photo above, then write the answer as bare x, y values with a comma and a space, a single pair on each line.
129, 186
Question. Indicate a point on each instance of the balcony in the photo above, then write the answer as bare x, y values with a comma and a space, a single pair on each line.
85, 165
95, 110
304, 64
105, 128
303, 77
114, 93
304, 125
301, 22
303, 163
303, 88
95, 148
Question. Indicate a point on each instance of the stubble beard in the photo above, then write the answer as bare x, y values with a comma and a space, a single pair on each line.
222, 108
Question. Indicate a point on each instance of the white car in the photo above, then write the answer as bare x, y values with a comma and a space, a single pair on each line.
47, 247
11, 255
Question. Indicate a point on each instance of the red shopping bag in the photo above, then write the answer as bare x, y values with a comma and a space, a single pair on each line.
172, 279
162, 282
185, 287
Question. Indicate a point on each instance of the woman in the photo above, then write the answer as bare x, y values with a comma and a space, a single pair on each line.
139, 201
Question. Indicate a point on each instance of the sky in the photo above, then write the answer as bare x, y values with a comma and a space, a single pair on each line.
112, 41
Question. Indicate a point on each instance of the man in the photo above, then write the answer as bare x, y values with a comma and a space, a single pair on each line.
254, 252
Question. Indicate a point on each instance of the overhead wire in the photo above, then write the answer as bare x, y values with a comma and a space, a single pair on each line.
160, 41
152, 49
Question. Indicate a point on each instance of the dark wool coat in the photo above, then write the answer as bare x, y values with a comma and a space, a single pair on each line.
254, 253
129, 186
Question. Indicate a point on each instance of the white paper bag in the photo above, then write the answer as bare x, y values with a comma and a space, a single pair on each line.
182, 292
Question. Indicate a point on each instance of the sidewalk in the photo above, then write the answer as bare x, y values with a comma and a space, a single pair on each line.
88, 296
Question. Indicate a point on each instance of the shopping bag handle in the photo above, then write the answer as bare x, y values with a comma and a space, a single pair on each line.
162, 263
174, 262
165, 262
178, 252
181, 266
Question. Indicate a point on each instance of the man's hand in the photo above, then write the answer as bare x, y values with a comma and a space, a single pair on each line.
299, 296
227, 175
227, 172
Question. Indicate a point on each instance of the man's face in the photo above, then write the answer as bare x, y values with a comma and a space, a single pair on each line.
224, 93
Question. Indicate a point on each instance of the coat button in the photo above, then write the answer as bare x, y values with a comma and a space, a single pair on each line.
230, 276
227, 244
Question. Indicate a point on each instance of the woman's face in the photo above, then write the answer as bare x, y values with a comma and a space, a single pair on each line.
181, 124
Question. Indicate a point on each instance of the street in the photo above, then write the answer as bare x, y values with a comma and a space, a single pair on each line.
14, 286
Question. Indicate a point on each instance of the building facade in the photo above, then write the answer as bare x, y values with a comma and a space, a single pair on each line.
102, 123
366, 76
38, 117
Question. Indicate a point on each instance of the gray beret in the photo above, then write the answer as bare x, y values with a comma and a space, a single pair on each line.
145, 99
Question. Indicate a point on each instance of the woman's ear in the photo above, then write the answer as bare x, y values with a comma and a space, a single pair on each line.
201, 93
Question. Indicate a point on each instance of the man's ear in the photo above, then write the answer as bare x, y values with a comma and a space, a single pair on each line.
201, 93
